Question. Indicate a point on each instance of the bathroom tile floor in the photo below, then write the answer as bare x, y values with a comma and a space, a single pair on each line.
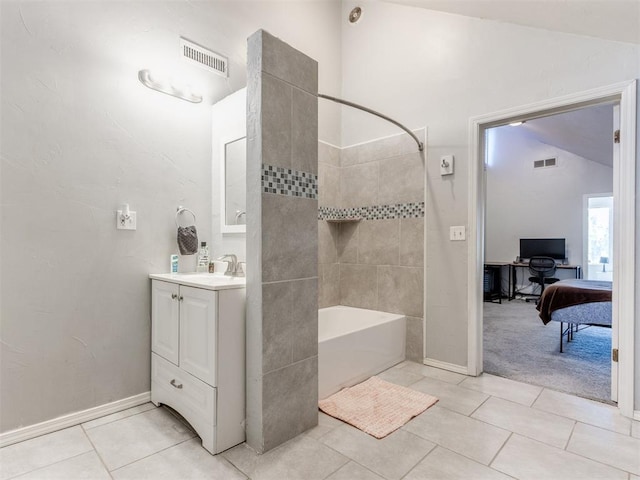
482, 428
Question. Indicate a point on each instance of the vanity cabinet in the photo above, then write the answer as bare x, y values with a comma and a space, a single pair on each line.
198, 355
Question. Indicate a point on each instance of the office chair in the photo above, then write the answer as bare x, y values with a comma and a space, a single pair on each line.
542, 270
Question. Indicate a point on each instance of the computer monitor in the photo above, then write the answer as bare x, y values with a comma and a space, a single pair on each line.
545, 247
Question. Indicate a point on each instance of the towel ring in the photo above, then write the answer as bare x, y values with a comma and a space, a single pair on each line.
182, 209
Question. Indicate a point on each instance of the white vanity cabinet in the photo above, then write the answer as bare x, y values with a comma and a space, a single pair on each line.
198, 354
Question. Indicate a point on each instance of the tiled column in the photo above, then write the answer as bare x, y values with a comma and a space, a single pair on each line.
282, 242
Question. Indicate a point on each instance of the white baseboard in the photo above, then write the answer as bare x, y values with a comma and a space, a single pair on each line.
452, 367
72, 419
636, 415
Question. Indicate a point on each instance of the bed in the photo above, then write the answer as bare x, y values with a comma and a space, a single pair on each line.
578, 303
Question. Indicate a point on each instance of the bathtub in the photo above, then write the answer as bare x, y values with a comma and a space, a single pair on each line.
354, 344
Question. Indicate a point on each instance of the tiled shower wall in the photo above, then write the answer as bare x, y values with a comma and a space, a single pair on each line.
282, 241
378, 262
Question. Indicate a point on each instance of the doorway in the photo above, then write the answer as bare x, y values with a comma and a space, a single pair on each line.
624, 225
536, 175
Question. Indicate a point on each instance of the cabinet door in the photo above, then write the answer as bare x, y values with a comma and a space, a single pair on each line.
164, 320
198, 333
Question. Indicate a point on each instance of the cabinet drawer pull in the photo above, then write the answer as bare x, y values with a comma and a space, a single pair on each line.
180, 298
173, 383
174, 296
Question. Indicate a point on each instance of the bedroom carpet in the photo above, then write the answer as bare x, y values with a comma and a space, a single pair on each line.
518, 346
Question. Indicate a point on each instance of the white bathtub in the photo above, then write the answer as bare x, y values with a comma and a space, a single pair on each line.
354, 344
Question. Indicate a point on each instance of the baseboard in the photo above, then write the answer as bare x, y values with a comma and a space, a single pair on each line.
636, 415
72, 419
452, 367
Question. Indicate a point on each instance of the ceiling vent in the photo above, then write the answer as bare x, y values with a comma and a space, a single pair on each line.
204, 58
548, 162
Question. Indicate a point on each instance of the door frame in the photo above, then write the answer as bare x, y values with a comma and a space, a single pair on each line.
624, 222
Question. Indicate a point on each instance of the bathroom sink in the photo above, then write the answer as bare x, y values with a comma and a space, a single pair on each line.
211, 281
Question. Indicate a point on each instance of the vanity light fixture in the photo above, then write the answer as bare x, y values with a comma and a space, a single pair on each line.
161, 85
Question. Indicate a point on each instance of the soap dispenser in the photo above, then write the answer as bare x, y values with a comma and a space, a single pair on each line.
203, 258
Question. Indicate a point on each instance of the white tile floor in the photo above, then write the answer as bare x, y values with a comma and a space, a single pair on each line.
485, 427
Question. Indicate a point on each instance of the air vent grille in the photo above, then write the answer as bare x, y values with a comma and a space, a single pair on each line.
547, 162
205, 58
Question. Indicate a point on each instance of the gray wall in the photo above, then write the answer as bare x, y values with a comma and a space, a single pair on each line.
79, 136
377, 263
282, 243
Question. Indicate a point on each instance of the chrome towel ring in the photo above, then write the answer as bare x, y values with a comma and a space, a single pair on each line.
181, 210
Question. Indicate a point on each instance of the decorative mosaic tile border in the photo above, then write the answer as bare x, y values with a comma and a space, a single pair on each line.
375, 212
285, 181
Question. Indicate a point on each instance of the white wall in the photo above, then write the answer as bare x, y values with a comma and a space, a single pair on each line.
425, 67
80, 135
523, 202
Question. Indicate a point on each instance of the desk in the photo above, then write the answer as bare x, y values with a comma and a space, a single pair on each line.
513, 266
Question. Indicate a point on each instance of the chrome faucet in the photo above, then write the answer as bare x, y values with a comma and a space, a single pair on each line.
233, 266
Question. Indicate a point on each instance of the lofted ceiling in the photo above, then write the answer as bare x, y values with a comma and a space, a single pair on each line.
617, 20
587, 132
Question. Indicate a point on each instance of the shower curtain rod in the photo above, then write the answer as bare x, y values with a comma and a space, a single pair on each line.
377, 114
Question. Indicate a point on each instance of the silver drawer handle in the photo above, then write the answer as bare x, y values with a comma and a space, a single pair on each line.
173, 383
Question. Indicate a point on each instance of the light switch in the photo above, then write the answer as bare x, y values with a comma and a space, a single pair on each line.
457, 233
446, 165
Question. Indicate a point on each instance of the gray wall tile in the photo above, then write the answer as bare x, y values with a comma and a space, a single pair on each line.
327, 242
304, 131
415, 339
304, 314
379, 242
359, 185
291, 401
277, 325
402, 179
400, 290
276, 122
288, 64
329, 285
358, 286
289, 238
412, 242
348, 242
329, 185
328, 154
282, 311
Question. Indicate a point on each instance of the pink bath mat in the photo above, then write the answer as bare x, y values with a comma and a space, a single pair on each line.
376, 407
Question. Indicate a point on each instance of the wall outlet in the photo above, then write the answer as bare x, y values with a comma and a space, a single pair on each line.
125, 223
457, 233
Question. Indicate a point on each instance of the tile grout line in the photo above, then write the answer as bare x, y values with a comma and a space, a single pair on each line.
500, 450
152, 454
570, 435
102, 462
49, 465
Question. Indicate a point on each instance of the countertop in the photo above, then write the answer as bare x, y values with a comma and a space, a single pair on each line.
208, 281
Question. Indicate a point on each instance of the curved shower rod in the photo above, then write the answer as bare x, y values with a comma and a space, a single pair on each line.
377, 114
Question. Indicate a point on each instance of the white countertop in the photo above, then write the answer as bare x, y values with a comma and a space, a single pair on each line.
209, 281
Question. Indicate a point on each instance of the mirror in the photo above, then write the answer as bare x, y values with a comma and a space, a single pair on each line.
234, 185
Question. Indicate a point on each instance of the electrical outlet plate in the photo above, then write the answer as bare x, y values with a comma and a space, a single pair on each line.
446, 165
457, 233
125, 223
